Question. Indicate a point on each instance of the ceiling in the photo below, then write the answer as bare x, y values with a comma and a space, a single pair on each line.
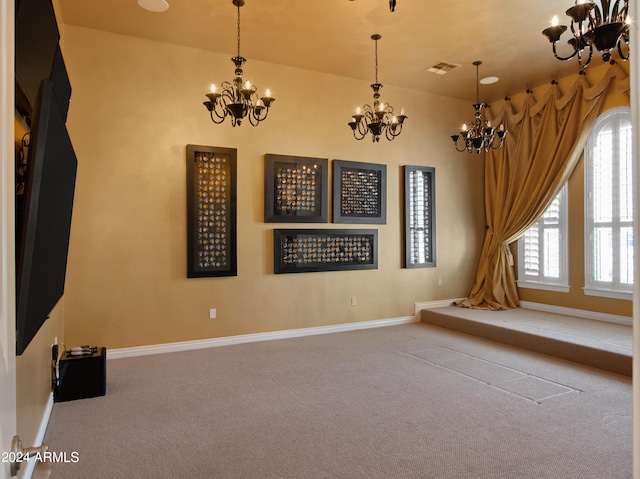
334, 36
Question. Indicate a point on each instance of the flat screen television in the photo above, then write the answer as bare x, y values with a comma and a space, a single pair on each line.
44, 220
36, 43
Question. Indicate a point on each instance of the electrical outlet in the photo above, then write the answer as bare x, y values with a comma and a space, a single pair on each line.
439, 281
354, 301
212, 313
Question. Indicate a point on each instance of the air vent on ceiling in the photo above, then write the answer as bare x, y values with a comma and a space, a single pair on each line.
442, 68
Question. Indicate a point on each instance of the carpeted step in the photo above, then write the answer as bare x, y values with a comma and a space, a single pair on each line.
478, 323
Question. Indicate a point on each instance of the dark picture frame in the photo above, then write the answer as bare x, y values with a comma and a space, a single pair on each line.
295, 189
211, 211
314, 250
419, 217
359, 192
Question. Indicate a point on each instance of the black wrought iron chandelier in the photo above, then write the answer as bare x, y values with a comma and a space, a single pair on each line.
378, 119
238, 99
603, 27
479, 135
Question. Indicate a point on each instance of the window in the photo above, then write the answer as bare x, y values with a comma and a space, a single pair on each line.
542, 250
419, 217
609, 207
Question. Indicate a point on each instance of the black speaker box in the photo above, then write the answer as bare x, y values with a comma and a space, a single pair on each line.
81, 377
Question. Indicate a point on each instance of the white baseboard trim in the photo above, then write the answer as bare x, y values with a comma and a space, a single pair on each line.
31, 465
581, 313
251, 338
439, 303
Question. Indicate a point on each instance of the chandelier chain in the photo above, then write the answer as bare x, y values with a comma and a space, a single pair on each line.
477, 83
376, 61
238, 29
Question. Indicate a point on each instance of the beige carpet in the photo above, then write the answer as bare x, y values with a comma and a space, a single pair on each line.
411, 401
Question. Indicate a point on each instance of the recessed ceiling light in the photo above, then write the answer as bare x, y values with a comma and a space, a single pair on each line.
489, 80
154, 5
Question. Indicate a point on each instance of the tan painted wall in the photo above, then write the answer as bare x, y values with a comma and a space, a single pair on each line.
575, 297
137, 104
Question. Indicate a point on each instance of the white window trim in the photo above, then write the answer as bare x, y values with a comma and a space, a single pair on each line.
607, 293
595, 288
543, 286
562, 284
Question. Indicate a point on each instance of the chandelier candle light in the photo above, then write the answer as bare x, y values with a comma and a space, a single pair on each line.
378, 119
604, 28
479, 134
239, 98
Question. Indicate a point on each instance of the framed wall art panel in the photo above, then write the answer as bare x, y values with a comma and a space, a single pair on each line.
295, 189
359, 192
312, 250
211, 211
419, 217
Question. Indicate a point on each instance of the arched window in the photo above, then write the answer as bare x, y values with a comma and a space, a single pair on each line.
609, 207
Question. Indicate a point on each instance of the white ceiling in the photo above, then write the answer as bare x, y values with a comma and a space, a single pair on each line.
334, 36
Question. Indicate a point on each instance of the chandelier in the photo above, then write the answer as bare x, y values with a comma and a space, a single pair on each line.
379, 118
604, 28
479, 134
238, 98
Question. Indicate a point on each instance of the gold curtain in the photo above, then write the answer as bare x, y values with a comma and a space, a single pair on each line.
545, 142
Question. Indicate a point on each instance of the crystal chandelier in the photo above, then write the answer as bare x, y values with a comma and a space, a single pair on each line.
479, 134
379, 118
239, 98
604, 27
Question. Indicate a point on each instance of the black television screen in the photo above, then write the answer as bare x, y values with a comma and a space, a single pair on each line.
36, 42
61, 84
44, 221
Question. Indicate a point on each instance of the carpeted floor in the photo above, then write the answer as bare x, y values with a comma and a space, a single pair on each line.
410, 401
